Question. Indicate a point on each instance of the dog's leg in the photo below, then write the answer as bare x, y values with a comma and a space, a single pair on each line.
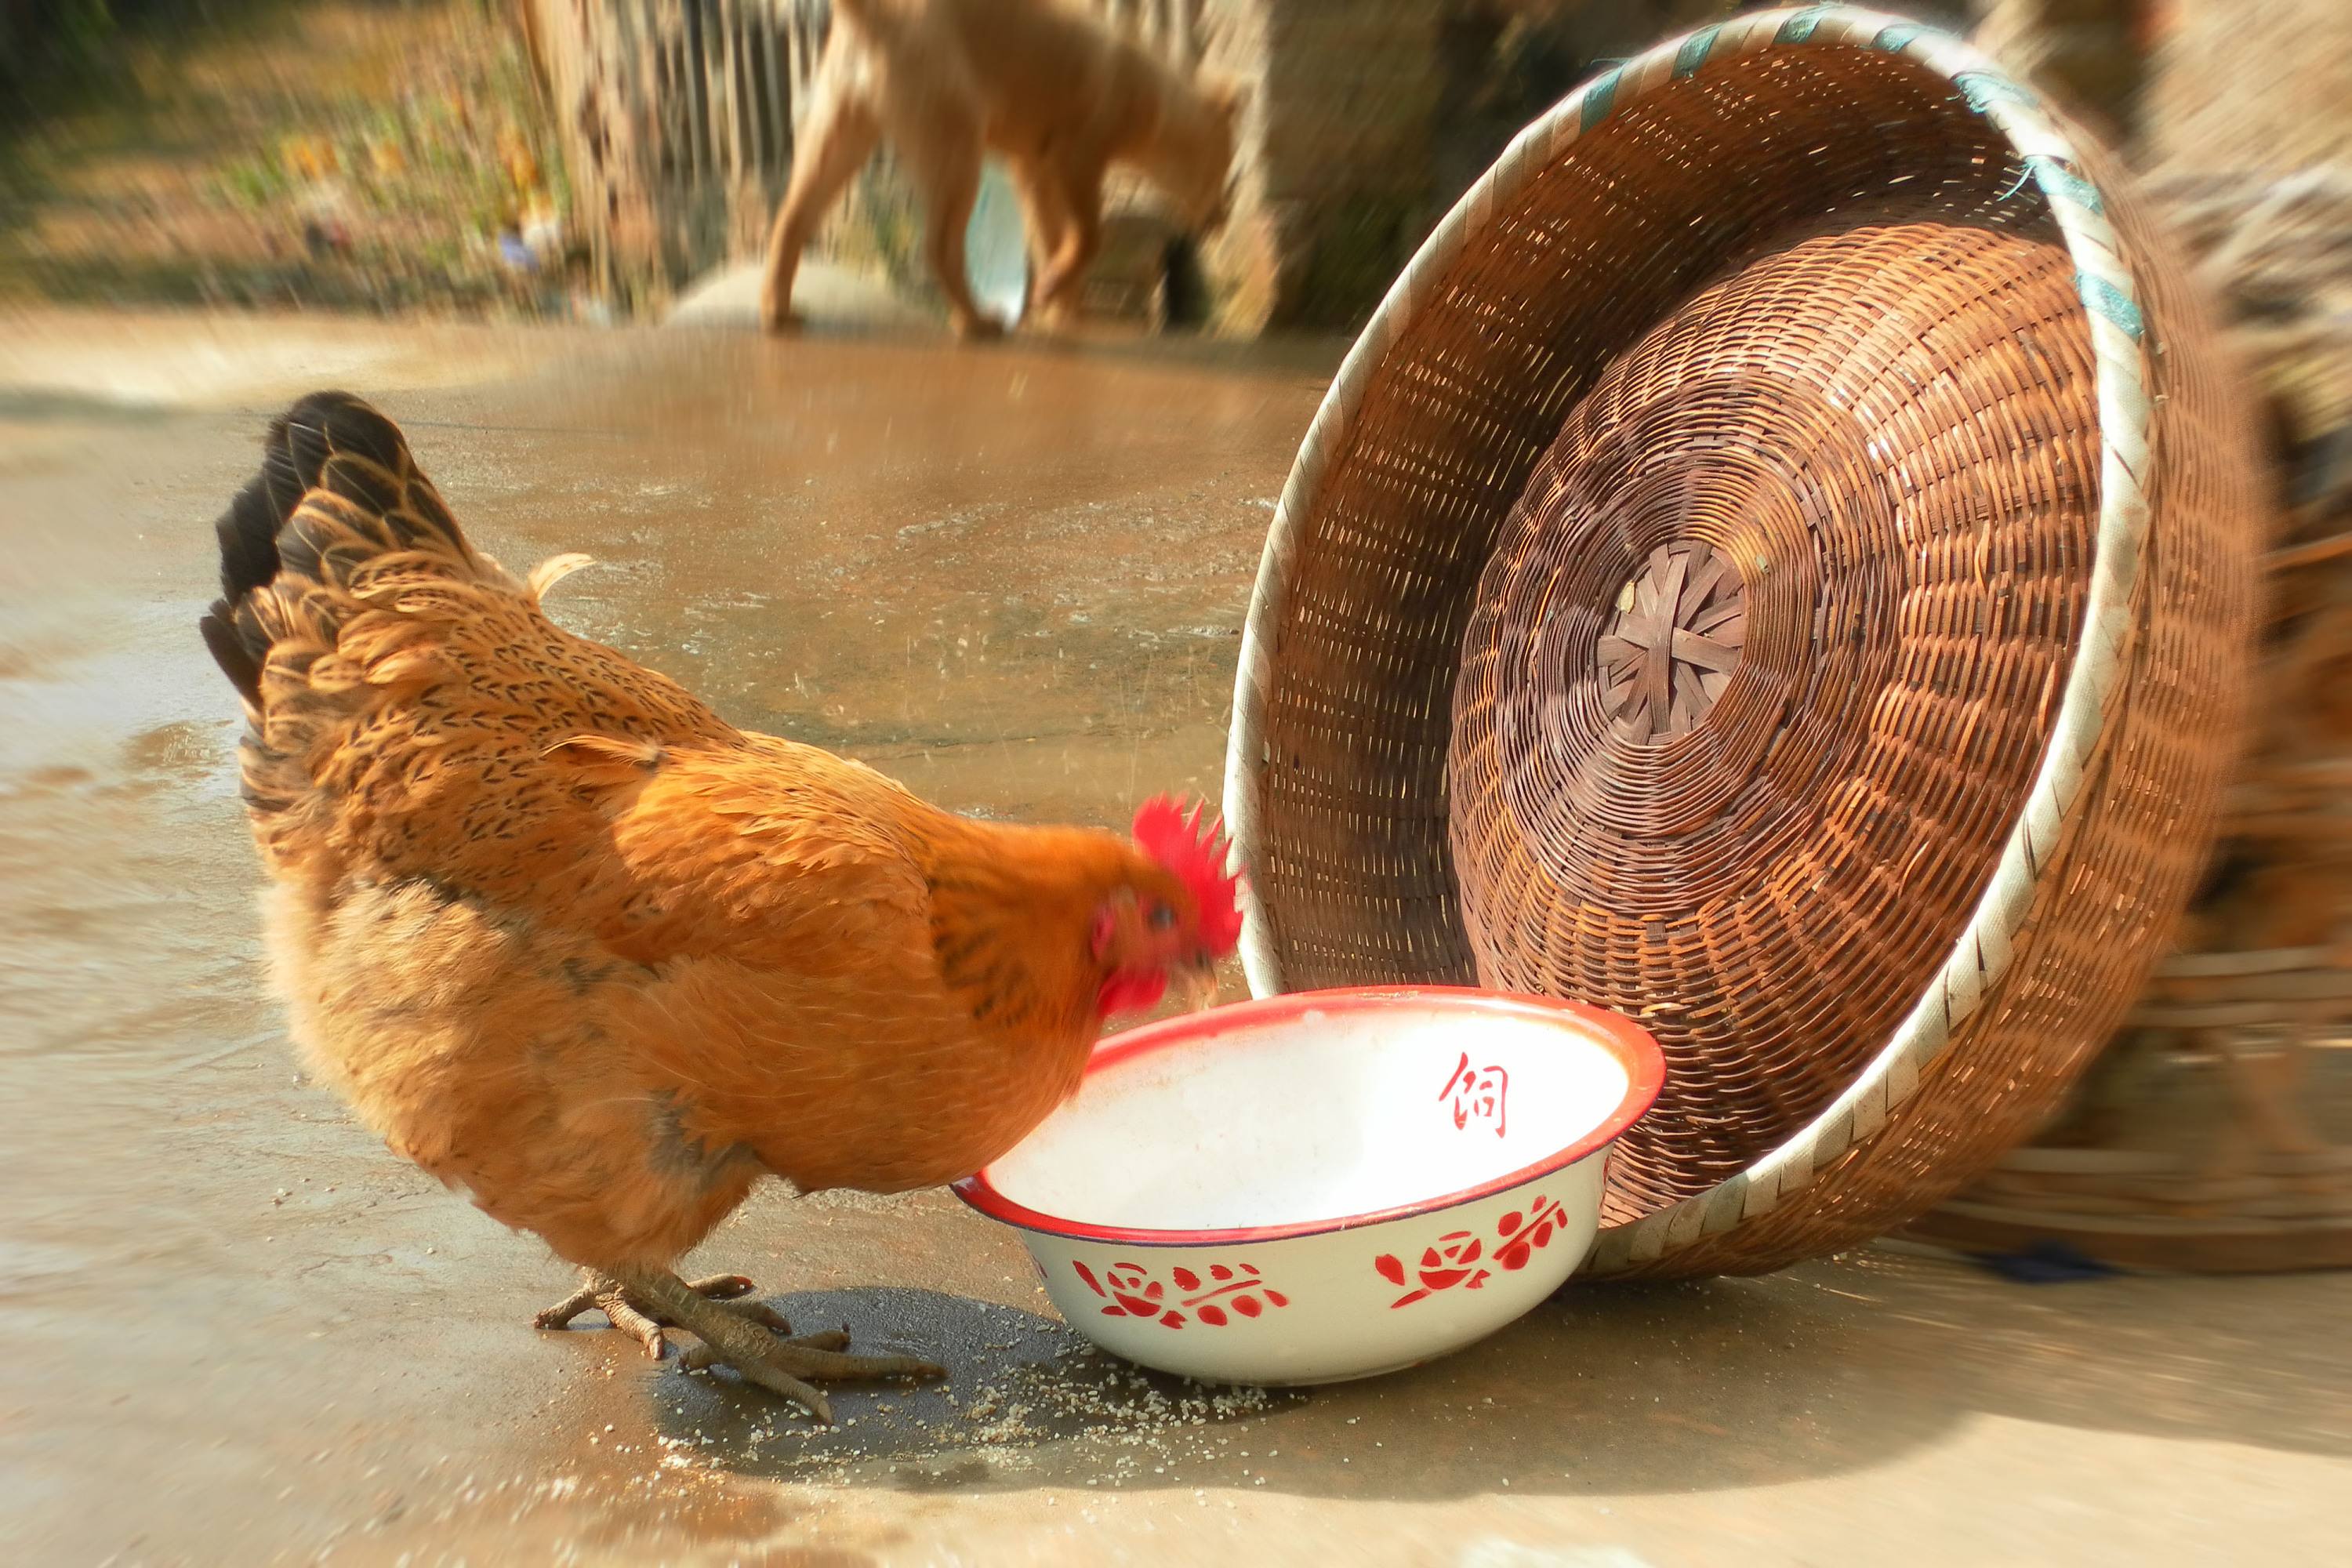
837, 138
1047, 220
1080, 193
948, 168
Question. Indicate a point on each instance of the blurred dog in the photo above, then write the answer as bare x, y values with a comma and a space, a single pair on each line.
1059, 96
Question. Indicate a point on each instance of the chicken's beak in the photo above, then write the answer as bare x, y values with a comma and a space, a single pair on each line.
1197, 985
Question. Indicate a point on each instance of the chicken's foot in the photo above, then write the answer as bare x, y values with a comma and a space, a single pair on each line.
784, 1365
631, 1314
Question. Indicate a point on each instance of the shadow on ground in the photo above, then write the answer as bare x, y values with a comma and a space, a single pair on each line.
1691, 1387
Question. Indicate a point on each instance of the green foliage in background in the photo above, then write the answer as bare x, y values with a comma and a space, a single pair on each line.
357, 154
51, 47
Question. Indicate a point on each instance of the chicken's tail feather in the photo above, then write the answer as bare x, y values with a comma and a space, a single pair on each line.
339, 501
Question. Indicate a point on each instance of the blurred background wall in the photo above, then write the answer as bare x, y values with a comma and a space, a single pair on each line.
1368, 116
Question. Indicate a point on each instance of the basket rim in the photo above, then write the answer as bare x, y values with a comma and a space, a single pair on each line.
2104, 284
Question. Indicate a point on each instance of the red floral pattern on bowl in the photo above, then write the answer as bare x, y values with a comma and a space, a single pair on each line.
1456, 1257
1132, 1292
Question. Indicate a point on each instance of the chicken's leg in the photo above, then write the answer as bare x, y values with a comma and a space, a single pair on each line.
774, 1361
637, 1318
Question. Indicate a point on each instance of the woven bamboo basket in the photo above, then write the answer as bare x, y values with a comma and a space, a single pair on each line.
2214, 1133
1777, 565
2213, 1136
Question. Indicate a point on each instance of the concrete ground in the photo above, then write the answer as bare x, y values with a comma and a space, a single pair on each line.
823, 292
239, 1331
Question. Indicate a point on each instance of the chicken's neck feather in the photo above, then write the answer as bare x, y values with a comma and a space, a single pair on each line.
1013, 910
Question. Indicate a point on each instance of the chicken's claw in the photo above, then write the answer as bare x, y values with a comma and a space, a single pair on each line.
778, 1361
629, 1312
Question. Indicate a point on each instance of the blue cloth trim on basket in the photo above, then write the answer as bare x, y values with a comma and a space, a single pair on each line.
1897, 37
1799, 27
1693, 52
2104, 298
1983, 90
2060, 182
1599, 98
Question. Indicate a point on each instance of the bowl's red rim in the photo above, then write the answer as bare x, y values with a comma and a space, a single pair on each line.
1635, 1049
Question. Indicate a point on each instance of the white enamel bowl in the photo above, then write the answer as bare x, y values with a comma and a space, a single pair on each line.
1328, 1185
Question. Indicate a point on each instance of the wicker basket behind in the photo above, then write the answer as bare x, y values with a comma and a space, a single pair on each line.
1601, 221
1753, 801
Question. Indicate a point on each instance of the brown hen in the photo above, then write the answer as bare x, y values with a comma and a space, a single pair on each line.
577, 946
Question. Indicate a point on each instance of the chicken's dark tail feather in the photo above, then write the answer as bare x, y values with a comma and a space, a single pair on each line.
294, 460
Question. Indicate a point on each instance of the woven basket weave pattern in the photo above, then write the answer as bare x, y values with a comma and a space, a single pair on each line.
1884, 880
2124, 867
1453, 421
1770, 893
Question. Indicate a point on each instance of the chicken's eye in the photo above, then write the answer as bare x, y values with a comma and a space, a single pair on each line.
1161, 917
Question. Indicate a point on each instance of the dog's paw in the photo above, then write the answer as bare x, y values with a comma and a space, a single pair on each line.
1056, 318
778, 318
979, 328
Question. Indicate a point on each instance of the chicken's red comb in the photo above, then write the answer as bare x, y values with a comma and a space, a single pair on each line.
1194, 846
